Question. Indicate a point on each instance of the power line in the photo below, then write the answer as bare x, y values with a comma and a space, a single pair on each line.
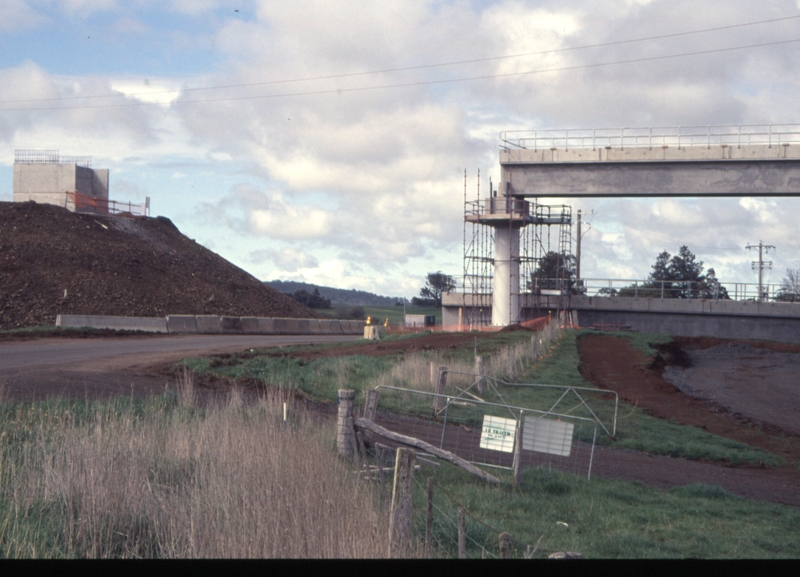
418, 67
414, 84
650, 235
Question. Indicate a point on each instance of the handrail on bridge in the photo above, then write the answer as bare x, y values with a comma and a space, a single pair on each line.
663, 136
642, 288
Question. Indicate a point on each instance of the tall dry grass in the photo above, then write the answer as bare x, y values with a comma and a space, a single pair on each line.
507, 363
229, 480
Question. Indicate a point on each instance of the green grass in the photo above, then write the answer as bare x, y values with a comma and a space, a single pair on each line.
606, 518
321, 378
393, 313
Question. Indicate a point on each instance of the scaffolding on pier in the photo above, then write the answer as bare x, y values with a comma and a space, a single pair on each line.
538, 244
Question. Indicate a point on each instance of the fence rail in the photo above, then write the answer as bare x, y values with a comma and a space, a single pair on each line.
460, 426
83, 203
665, 136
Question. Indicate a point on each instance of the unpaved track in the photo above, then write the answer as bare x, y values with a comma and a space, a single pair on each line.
103, 367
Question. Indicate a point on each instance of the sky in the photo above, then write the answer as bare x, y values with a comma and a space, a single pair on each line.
327, 141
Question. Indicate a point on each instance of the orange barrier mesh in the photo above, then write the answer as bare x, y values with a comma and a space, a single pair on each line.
84, 203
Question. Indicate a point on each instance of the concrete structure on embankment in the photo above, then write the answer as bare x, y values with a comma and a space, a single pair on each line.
46, 177
678, 317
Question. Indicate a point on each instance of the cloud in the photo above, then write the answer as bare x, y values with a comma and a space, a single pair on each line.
18, 15
287, 259
367, 186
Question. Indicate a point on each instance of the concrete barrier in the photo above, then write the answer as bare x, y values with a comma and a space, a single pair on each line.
146, 324
266, 326
325, 327
280, 326
181, 324
208, 324
231, 325
303, 327
374, 332
250, 325
294, 326
336, 327
357, 327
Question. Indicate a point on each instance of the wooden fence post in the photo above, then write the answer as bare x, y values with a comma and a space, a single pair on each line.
504, 545
441, 387
345, 433
462, 533
371, 406
429, 519
479, 369
400, 512
518, 453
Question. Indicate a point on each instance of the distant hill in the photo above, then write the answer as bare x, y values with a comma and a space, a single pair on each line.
338, 296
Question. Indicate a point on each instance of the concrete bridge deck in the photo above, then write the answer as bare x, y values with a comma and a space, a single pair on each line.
628, 162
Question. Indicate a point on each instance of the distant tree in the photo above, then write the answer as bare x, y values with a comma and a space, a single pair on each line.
311, 300
436, 283
355, 313
790, 287
680, 276
555, 271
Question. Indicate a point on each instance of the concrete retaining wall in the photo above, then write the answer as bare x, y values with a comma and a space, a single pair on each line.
785, 330
147, 324
231, 325
181, 324
208, 324
211, 324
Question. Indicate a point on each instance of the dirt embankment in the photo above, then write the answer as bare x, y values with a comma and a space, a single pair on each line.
736, 405
53, 261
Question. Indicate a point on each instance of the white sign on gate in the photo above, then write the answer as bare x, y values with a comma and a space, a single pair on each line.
547, 436
498, 434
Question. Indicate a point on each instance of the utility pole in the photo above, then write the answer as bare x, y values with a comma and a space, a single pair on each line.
578, 256
761, 265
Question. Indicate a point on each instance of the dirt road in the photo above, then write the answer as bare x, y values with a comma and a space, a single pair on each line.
104, 367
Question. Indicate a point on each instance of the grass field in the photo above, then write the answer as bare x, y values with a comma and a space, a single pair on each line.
380, 314
321, 378
605, 519
166, 477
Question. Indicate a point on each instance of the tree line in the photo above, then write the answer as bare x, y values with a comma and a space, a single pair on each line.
672, 276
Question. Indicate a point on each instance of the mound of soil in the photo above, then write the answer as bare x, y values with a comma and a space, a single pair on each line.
53, 261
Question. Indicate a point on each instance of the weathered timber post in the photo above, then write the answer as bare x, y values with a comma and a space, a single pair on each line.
462, 533
371, 405
441, 387
504, 545
400, 512
518, 453
510, 360
479, 370
533, 348
345, 433
429, 519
